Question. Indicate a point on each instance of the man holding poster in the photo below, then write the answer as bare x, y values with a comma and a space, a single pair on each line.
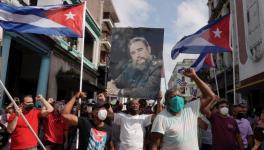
141, 75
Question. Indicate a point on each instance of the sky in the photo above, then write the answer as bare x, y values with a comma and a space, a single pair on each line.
178, 18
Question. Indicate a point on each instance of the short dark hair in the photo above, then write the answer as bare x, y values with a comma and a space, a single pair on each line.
136, 39
130, 102
23, 97
221, 101
101, 92
170, 93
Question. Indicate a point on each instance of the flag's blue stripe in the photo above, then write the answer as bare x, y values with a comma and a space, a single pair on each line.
197, 50
26, 28
187, 39
199, 59
199, 63
25, 10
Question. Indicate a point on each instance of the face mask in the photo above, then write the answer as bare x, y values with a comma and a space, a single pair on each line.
89, 109
240, 115
176, 104
102, 114
28, 107
224, 111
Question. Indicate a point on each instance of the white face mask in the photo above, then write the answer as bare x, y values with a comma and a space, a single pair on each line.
102, 114
224, 111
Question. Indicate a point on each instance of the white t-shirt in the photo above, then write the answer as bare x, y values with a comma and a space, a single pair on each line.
180, 131
132, 130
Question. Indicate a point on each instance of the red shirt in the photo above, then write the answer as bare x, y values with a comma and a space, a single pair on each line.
22, 137
54, 128
224, 132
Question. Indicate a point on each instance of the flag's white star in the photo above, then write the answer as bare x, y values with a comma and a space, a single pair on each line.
217, 33
70, 15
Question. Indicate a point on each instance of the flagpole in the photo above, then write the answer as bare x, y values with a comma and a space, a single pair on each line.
233, 53
21, 114
216, 83
234, 76
166, 86
81, 70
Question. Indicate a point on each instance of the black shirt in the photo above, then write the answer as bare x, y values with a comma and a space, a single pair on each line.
92, 137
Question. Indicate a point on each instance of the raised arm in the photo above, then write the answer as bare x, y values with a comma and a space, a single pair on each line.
72, 119
207, 110
207, 94
48, 108
12, 124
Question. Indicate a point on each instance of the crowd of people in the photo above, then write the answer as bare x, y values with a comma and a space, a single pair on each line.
206, 122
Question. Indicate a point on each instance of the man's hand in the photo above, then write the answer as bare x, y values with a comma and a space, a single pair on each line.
189, 72
80, 95
18, 111
51, 100
39, 98
111, 88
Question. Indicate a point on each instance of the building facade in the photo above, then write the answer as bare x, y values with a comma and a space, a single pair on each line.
247, 43
48, 65
251, 60
178, 80
224, 61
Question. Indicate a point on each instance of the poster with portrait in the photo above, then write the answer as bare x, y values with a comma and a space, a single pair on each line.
135, 62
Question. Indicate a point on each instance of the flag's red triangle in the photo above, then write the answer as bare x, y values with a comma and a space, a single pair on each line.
219, 33
71, 17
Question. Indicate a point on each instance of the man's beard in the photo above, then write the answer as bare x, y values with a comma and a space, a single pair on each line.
133, 111
141, 66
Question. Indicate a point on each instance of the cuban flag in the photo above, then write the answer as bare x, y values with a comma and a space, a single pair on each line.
181, 82
205, 60
212, 38
59, 20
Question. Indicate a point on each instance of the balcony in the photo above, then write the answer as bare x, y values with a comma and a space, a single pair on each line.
107, 19
106, 41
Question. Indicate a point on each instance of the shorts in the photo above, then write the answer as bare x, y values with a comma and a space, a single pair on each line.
53, 145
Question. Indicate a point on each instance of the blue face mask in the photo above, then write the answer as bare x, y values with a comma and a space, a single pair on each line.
176, 104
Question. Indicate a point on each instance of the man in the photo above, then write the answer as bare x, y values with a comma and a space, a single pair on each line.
206, 134
55, 128
259, 133
141, 76
21, 136
225, 130
94, 134
132, 127
176, 126
244, 127
101, 96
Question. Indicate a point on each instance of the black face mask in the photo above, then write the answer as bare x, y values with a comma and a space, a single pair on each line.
240, 115
28, 107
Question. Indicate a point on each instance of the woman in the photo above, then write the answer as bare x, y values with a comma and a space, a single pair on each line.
259, 133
